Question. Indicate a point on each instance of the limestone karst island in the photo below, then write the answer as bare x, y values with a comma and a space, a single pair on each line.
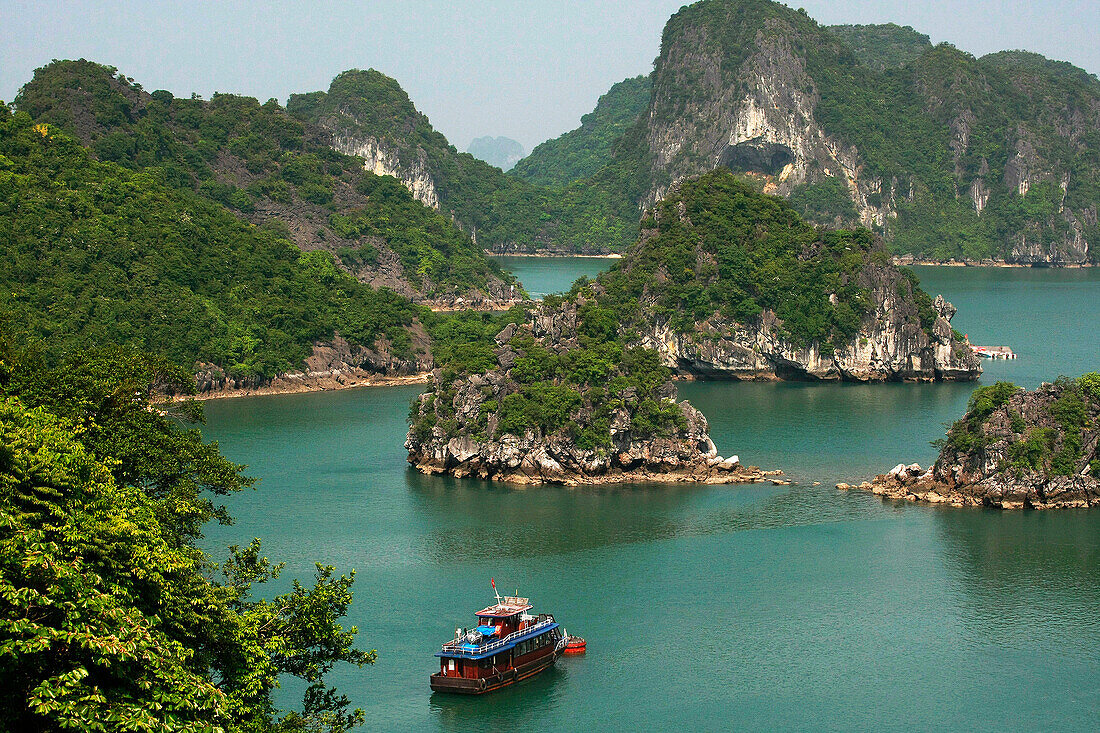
721, 354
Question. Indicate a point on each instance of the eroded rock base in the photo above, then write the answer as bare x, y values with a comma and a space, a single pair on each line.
1000, 492
542, 467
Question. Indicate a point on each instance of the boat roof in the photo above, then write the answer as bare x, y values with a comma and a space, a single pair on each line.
471, 651
510, 606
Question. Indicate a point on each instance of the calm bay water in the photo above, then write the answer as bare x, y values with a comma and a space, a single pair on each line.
545, 275
761, 607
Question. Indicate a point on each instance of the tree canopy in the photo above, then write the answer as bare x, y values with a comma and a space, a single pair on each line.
99, 254
111, 618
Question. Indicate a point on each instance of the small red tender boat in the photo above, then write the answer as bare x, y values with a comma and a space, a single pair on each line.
575, 644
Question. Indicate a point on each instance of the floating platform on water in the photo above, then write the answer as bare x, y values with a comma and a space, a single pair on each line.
994, 352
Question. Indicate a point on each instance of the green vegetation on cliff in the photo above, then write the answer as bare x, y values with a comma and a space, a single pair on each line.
950, 155
568, 386
881, 47
502, 212
715, 245
582, 152
1048, 433
99, 254
111, 618
263, 164
434, 253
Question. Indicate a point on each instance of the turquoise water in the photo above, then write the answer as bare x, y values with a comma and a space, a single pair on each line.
761, 607
545, 275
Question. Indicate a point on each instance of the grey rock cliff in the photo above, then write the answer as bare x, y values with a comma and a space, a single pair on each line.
384, 160
891, 346
1024, 455
761, 89
764, 125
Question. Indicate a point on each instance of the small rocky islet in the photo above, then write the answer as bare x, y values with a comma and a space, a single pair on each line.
500, 425
1013, 449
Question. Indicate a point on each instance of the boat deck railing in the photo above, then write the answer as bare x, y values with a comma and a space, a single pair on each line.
459, 646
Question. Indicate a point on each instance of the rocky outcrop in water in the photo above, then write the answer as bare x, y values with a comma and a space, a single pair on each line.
872, 323
531, 458
1012, 450
555, 411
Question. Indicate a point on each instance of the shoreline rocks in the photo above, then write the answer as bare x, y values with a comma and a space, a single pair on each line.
505, 462
335, 364
1013, 449
1028, 492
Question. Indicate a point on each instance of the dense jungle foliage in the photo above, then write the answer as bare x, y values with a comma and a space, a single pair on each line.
581, 153
735, 252
500, 211
886, 46
98, 254
1051, 442
261, 163
111, 617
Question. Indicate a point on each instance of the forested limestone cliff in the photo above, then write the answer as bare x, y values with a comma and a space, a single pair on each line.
724, 282
993, 159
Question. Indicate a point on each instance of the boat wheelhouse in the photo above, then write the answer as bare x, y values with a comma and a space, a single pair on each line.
508, 644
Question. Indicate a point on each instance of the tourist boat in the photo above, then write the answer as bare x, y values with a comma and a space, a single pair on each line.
509, 644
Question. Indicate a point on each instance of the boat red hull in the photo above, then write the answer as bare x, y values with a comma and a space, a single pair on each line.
480, 686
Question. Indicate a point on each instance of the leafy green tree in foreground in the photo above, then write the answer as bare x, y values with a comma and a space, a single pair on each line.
110, 617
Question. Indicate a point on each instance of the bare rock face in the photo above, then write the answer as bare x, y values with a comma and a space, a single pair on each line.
1012, 450
891, 347
765, 125
383, 160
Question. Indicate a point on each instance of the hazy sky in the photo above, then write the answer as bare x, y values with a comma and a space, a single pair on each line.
527, 70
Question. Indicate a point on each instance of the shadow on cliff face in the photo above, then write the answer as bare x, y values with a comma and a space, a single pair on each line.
756, 156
